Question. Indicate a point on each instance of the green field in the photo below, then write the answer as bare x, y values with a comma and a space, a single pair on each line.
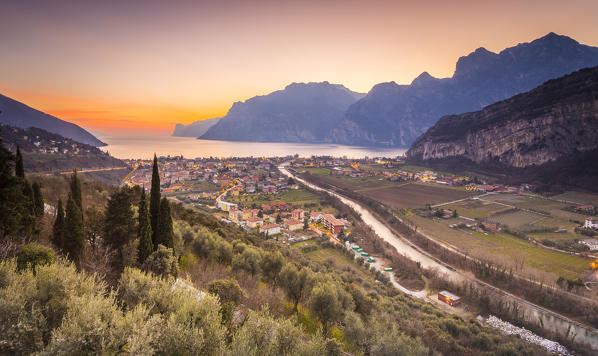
503, 248
298, 197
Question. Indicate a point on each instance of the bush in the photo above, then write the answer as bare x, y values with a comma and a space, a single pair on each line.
162, 262
33, 255
228, 290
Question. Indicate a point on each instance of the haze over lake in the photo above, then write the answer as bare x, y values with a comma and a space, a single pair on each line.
144, 147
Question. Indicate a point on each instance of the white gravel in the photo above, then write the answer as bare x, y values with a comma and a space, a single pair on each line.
510, 329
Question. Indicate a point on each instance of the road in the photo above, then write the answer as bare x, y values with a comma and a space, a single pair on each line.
87, 170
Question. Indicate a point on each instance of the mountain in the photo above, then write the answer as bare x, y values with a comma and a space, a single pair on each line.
302, 112
17, 114
194, 129
553, 126
395, 115
45, 151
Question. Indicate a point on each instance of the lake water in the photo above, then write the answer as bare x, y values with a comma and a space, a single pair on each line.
145, 146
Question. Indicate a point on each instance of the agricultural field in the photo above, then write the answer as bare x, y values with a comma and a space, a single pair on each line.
578, 197
539, 219
515, 219
503, 248
476, 208
414, 195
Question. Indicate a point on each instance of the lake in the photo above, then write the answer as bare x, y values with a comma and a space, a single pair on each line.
145, 146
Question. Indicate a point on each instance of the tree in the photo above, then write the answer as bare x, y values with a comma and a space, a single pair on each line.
19, 168
165, 234
271, 265
32, 255
38, 200
144, 231
296, 283
74, 235
305, 223
58, 231
76, 190
154, 208
278, 218
326, 304
119, 224
228, 290
162, 262
94, 224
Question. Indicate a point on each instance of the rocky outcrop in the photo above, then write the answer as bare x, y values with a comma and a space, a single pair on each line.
395, 115
194, 129
556, 120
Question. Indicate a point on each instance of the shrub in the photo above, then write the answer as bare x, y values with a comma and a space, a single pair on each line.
162, 262
32, 255
228, 290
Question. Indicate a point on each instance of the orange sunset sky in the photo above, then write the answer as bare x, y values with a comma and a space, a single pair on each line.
122, 67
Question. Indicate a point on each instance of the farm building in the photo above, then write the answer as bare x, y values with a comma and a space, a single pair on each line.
591, 243
591, 223
449, 298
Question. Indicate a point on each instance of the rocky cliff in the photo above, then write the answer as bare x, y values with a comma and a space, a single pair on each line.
558, 119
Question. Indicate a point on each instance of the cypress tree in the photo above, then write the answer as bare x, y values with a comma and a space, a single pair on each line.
144, 231
165, 233
74, 241
154, 208
119, 222
38, 200
19, 168
58, 229
76, 191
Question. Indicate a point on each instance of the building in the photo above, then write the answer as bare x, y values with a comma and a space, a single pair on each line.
591, 223
254, 222
235, 215
298, 214
591, 243
293, 224
449, 298
270, 229
226, 206
315, 216
489, 226
332, 224
588, 209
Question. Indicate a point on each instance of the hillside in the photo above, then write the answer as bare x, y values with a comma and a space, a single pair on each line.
44, 151
302, 112
553, 126
194, 129
395, 115
17, 114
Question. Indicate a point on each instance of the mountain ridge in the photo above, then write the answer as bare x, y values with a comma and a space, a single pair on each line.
301, 112
15, 113
555, 122
387, 116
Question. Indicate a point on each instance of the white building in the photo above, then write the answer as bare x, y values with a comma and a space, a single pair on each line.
591, 243
270, 229
591, 223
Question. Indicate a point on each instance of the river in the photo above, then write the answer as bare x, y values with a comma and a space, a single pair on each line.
531, 313
144, 147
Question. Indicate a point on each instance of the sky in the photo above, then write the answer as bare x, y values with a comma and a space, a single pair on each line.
122, 67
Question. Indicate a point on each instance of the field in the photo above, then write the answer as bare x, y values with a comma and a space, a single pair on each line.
413, 195
504, 249
536, 216
578, 197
